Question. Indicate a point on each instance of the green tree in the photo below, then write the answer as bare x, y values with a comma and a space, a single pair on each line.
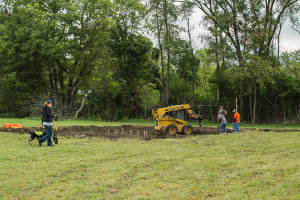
53, 45
163, 17
248, 27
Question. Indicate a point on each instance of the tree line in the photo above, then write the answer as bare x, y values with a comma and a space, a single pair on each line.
110, 58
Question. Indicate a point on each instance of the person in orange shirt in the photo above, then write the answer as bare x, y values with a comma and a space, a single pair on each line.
236, 120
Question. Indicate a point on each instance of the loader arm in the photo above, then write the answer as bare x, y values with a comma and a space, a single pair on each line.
192, 115
160, 113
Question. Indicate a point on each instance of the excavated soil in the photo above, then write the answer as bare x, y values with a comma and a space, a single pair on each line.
115, 132
125, 131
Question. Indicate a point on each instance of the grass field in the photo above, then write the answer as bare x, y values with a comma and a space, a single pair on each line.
255, 165
31, 122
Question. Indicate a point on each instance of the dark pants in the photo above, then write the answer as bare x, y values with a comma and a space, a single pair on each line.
47, 137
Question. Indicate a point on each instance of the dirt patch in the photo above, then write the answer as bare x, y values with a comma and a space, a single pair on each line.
115, 132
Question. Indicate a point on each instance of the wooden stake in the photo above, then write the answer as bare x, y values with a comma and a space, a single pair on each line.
122, 131
108, 131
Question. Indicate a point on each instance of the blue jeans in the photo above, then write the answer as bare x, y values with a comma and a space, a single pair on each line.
222, 126
236, 127
48, 136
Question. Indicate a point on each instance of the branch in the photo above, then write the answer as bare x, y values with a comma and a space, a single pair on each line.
295, 29
288, 4
81, 107
147, 94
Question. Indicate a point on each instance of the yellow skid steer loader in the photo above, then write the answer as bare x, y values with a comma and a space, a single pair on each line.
173, 119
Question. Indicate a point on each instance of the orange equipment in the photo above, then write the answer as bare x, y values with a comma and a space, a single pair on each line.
12, 126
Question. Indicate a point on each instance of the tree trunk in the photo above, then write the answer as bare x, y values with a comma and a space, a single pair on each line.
163, 96
216, 50
254, 103
108, 110
81, 107
250, 104
278, 40
168, 79
89, 109
162, 92
185, 86
192, 53
241, 99
193, 83
210, 110
55, 81
51, 80
147, 94
166, 23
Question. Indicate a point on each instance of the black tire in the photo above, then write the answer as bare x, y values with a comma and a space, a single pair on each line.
187, 130
172, 129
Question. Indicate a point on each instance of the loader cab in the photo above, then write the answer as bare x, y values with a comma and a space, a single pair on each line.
178, 114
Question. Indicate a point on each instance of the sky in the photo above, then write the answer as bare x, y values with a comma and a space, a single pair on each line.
289, 39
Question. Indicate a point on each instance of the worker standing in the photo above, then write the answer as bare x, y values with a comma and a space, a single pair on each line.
236, 121
222, 111
47, 123
221, 118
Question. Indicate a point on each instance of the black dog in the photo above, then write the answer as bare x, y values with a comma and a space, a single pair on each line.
36, 134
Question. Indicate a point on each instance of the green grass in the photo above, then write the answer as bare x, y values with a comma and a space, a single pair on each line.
33, 122
255, 165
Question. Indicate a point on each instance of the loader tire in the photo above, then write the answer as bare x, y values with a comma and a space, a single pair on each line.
172, 129
187, 130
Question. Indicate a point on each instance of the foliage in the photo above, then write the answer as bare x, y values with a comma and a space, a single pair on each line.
65, 50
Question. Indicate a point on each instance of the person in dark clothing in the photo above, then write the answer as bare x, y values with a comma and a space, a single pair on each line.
47, 123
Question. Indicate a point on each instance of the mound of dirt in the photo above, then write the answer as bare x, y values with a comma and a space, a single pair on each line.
115, 132
128, 131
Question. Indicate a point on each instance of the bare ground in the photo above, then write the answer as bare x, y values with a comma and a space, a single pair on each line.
127, 131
